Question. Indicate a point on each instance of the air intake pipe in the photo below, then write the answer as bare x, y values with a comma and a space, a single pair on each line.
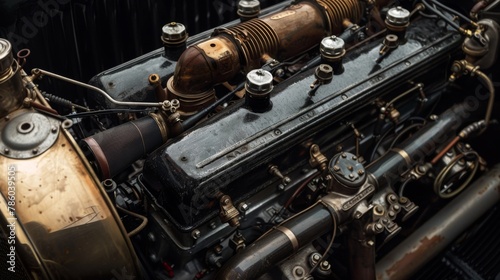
248, 45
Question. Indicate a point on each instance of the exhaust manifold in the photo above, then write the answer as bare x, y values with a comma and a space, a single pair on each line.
248, 45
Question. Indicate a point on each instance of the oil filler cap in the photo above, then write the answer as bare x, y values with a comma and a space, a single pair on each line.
398, 16
259, 85
248, 9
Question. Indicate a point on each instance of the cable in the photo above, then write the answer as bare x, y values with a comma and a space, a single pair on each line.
330, 244
403, 132
403, 186
442, 16
294, 195
138, 228
191, 121
450, 10
103, 112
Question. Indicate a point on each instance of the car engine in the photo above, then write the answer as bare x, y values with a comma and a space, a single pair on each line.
308, 139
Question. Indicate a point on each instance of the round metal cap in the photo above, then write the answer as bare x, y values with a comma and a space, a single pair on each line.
347, 170
332, 46
248, 7
259, 81
6, 57
174, 32
27, 135
398, 16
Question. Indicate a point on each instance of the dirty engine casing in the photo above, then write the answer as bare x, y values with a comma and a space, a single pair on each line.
314, 139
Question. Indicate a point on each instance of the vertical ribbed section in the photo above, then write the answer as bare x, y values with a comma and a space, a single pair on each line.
338, 10
255, 38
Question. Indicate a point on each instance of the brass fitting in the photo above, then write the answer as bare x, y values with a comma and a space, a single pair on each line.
228, 213
317, 159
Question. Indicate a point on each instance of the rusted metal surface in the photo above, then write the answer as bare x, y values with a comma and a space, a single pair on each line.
437, 233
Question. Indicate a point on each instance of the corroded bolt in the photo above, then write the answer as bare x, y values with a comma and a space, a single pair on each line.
361, 172
336, 168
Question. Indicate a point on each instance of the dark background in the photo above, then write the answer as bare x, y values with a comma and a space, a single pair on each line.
80, 38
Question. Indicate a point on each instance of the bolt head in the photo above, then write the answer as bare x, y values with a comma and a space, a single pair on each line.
325, 265
6, 150
316, 257
243, 207
196, 234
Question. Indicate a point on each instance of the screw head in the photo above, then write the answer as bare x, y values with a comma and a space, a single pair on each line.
6, 150
196, 234
35, 151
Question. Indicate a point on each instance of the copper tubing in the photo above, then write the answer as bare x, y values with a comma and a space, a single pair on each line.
445, 150
280, 35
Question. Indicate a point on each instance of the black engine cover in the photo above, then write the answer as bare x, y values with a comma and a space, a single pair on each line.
230, 152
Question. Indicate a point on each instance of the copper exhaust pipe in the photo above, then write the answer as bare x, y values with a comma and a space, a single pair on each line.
280, 35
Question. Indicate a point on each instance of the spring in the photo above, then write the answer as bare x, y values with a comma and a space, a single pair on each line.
57, 100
